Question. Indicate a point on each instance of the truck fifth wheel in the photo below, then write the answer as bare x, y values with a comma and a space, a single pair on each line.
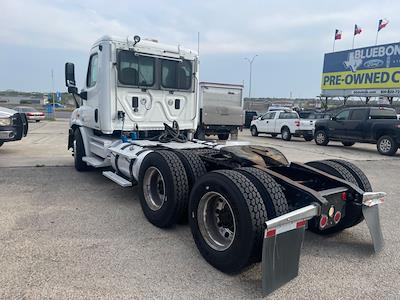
137, 116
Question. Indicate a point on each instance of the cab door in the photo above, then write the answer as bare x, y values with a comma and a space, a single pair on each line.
338, 125
356, 123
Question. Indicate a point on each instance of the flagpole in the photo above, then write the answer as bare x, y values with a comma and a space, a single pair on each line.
352, 46
334, 40
376, 39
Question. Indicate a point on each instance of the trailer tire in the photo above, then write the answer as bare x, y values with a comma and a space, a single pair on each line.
353, 214
164, 198
194, 168
223, 136
79, 152
243, 213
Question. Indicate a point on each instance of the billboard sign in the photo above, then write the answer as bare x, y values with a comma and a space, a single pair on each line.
369, 71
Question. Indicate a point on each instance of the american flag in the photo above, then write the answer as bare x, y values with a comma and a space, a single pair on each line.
338, 34
382, 24
357, 29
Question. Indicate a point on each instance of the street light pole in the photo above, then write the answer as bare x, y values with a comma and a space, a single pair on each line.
251, 69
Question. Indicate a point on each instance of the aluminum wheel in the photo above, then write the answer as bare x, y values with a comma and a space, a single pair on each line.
320, 138
385, 145
154, 188
216, 221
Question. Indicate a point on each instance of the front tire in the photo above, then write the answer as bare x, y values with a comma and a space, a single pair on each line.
321, 138
286, 135
254, 131
79, 152
387, 145
227, 216
163, 186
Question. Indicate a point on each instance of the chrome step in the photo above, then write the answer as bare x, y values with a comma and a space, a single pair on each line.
117, 179
96, 162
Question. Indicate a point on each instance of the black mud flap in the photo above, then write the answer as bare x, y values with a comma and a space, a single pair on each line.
283, 240
370, 210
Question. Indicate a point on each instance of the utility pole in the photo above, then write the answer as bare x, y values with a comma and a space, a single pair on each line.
251, 68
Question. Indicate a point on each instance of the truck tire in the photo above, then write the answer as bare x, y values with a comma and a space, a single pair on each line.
194, 168
353, 213
308, 138
286, 135
362, 180
254, 131
164, 188
387, 145
274, 199
347, 144
79, 152
227, 216
321, 138
274, 135
223, 136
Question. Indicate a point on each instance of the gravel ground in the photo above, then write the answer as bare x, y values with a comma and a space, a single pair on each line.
70, 235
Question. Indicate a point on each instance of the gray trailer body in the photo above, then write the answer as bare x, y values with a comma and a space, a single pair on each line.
221, 107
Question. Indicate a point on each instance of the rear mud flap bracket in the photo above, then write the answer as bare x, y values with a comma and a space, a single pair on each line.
370, 210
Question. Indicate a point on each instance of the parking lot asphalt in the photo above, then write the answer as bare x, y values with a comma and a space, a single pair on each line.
65, 234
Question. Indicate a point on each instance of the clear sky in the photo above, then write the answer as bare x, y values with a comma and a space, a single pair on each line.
290, 37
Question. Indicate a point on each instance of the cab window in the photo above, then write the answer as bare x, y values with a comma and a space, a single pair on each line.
135, 69
176, 74
344, 115
268, 116
91, 78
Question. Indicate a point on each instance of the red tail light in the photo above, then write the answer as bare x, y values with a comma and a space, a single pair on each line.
337, 217
323, 221
344, 196
297, 123
30, 114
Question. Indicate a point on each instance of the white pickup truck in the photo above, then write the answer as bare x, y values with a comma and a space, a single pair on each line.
284, 122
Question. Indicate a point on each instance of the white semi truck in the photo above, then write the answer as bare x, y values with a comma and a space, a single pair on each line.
135, 119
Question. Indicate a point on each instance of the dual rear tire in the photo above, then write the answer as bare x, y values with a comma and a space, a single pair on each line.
227, 209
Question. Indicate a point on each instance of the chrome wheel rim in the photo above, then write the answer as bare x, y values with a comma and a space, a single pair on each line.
320, 138
154, 188
216, 221
285, 134
253, 131
385, 145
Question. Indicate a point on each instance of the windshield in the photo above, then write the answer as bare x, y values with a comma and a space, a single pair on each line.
135, 69
176, 74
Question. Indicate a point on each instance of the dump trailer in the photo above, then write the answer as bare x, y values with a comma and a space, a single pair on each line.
135, 120
221, 110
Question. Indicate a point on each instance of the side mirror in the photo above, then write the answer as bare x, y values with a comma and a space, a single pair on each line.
333, 119
70, 75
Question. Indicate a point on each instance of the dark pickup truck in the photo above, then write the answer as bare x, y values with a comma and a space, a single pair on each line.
375, 125
13, 125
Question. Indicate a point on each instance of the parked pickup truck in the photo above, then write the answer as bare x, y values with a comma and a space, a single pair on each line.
376, 125
13, 125
284, 122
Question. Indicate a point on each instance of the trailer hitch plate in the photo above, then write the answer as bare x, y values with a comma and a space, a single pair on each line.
370, 210
283, 239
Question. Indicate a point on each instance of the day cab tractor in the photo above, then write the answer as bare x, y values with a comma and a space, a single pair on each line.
136, 118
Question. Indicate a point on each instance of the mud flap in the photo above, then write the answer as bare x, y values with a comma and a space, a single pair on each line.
283, 239
370, 210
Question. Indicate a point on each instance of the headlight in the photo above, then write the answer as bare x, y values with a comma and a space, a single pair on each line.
5, 121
